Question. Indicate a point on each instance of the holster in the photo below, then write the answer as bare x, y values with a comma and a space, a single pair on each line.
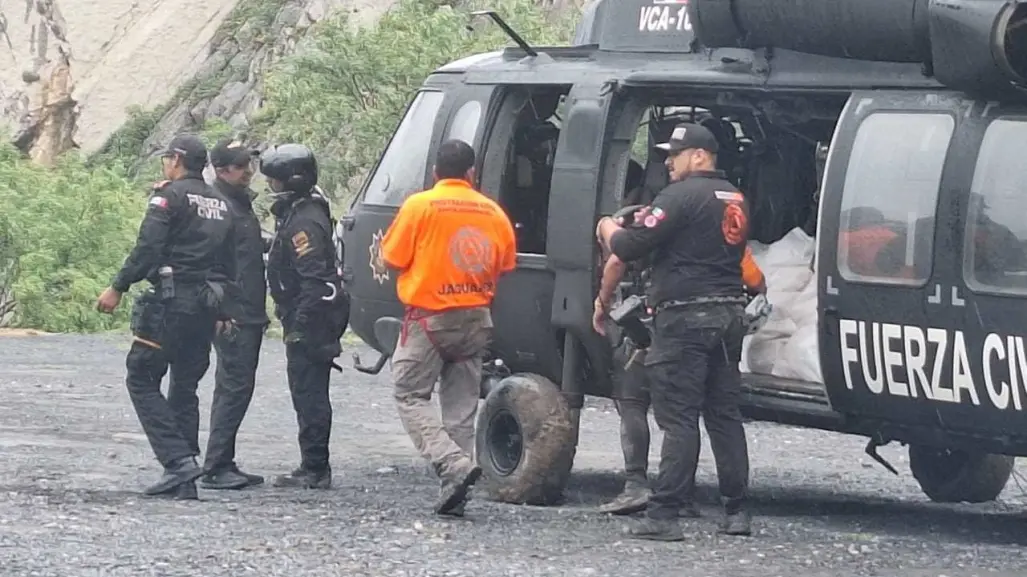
148, 320
321, 334
628, 316
212, 298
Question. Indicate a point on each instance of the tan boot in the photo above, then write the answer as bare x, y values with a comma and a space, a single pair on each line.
632, 499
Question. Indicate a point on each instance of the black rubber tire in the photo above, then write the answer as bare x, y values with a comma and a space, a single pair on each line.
527, 409
957, 476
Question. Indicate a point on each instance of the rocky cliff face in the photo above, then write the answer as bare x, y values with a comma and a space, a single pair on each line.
227, 87
69, 69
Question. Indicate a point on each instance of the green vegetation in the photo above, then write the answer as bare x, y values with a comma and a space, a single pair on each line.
64, 231
343, 95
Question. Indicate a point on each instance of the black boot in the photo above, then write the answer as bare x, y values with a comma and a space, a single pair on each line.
231, 478
306, 479
181, 471
184, 492
251, 479
737, 523
657, 530
689, 511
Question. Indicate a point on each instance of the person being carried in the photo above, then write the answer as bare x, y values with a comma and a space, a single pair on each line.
632, 397
695, 232
450, 245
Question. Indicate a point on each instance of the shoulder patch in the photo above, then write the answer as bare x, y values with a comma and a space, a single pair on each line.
158, 201
730, 196
301, 243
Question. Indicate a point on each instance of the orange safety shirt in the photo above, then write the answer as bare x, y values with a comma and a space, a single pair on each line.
450, 244
752, 276
863, 247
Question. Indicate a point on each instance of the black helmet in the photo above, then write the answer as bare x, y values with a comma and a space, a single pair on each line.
293, 165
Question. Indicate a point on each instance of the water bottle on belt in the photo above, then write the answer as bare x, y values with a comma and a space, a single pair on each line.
167, 283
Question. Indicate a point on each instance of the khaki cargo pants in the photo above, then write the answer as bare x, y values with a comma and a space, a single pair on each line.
449, 345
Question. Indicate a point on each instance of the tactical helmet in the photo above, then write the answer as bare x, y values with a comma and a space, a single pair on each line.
293, 165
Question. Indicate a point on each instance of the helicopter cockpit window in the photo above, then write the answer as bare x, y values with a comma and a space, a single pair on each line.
996, 240
890, 198
401, 170
465, 122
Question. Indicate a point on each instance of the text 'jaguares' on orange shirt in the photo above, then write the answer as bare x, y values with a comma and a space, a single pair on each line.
450, 244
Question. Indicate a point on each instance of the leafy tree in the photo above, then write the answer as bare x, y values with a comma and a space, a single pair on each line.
64, 231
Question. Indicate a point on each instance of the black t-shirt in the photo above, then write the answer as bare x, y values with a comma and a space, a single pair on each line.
696, 234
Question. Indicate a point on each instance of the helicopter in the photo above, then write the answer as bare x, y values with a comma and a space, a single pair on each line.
884, 141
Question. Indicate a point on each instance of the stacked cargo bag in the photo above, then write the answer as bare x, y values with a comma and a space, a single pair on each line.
800, 357
785, 265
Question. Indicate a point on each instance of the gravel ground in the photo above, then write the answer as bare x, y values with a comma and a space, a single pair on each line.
73, 459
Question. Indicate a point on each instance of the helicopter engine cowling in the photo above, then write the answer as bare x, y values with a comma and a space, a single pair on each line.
970, 45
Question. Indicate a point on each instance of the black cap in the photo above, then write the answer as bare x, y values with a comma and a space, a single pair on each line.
187, 145
228, 152
688, 135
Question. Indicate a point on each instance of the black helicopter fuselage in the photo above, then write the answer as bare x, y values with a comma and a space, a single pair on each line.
930, 354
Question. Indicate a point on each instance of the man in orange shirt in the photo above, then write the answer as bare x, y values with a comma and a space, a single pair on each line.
450, 245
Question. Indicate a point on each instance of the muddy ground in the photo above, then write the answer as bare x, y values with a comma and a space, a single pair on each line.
72, 458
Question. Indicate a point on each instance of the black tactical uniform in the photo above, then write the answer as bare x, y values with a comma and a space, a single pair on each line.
630, 389
238, 350
185, 250
696, 234
309, 300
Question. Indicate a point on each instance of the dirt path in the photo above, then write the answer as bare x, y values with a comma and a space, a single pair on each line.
72, 457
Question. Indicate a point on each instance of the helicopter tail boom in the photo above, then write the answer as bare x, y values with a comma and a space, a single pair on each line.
965, 44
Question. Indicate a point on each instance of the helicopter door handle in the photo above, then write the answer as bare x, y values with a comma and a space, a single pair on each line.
348, 222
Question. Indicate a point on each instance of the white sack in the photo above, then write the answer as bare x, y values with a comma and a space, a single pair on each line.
803, 310
765, 347
785, 265
800, 357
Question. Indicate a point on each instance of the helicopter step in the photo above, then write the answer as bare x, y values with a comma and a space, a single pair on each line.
788, 401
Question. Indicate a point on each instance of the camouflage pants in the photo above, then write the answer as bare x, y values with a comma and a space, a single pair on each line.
447, 346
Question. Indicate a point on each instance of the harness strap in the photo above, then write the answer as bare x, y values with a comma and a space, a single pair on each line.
421, 316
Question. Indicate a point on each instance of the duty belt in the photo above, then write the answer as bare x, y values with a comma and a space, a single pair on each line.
721, 300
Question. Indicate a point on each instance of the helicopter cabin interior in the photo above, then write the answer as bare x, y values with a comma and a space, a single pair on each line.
525, 143
774, 151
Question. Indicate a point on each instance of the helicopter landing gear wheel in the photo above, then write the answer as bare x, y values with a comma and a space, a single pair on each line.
524, 441
951, 476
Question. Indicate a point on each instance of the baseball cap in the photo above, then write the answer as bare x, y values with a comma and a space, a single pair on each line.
228, 152
188, 145
688, 135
